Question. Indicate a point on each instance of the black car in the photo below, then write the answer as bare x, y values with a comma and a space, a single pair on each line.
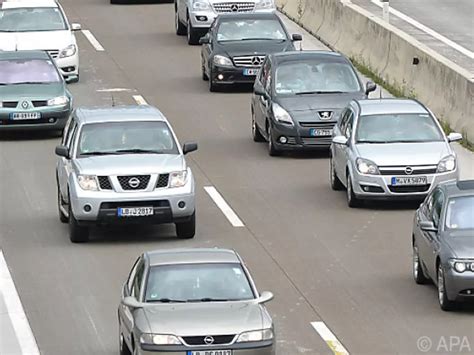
298, 97
236, 45
443, 242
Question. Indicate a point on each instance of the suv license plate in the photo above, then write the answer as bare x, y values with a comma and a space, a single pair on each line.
250, 72
313, 132
25, 115
135, 211
210, 352
412, 180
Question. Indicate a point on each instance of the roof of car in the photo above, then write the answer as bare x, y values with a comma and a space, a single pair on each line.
247, 16
12, 4
191, 256
305, 55
390, 106
12, 55
119, 113
458, 188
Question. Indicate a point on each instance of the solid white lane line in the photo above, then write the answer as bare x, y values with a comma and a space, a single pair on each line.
428, 30
330, 339
223, 206
140, 100
15, 311
95, 43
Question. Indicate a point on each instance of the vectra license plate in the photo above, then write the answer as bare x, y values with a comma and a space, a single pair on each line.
135, 211
409, 180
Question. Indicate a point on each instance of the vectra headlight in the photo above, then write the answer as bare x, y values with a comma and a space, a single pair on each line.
256, 335
461, 266
447, 164
178, 178
68, 51
58, 101
88, 182
281, 115
365, 166
264, 4
159, 339
222, 60
201, 5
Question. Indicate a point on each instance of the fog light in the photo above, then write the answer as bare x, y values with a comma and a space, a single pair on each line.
51, 120
181, 204
87, 208
283, 140
220, 77
201, 18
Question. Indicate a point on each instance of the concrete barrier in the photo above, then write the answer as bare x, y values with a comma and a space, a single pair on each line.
446, 88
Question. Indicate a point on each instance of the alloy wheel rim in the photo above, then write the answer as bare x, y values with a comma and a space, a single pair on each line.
188, 28
441, 285
270, 144
332, 175
349, 189
253, 125
416, 261
176, 20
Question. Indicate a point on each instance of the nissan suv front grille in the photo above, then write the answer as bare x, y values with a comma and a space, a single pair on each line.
134, 182
216, 340
104, 183
251, 61
226, 7
162, 180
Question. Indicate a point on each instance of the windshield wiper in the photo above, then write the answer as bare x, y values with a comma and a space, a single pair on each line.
318, 92
166, 300
98, 153
139, 151
209, 299
30, 83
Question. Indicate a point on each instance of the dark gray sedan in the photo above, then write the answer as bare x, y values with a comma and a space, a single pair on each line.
443, 242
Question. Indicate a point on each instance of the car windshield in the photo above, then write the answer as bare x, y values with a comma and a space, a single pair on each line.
132, 137
397, 128
241, 30
460, 213
315, 77
32, 19
36, 71
198, 283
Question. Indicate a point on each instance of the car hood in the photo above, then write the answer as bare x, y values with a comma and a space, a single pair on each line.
41, 40
461, 243
130, 164
392, 154
207, 318
235, 49
31, 91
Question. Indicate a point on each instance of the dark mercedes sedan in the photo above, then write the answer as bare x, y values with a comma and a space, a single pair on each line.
236, 45
298, 97
443, 242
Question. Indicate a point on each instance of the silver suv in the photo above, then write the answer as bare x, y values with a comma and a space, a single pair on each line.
123, 165
194, 17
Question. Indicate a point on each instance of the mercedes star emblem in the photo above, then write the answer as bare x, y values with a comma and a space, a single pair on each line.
256, 61
408, 170
24, 105
234, 8
134, 182
209, 340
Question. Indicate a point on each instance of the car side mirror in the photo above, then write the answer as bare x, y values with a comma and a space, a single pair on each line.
454, 137
296, 37
342, 140
205, 40
258, 89
62, 151
76, 26
370, 87
265, 297
189, 147
71, 79
428, 226
131, 302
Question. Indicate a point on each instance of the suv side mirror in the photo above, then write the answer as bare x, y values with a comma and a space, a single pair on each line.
189, 147
342, 140
131, 302
428, 226
265, 297
454, 137
76, 26
296, 37
370, 87
205, 40
62, 151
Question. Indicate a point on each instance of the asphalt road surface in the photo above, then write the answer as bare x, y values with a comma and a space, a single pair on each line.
350, 268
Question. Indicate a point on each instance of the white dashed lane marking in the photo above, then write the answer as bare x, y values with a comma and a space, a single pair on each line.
330, 339
93, 41
140, 100
223, 206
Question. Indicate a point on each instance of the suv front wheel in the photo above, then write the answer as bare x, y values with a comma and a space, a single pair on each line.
193, 34
187, 230
77, 233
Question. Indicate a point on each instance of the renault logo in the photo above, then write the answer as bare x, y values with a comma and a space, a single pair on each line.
24, 105
256, 61
134, 182
408, 170
325, 115
209, 340
234, 8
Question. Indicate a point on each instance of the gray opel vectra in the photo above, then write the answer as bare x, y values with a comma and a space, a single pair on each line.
193, 302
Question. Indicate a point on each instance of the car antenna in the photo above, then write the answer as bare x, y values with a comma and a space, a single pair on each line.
113, 100
381, 96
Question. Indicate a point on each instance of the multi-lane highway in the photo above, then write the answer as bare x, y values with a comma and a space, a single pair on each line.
348, 268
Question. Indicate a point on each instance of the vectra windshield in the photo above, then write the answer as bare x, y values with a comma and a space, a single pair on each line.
32, 19
247, 30
314, 77
14, 72
460, 213
198, 283
399, 128
132, 137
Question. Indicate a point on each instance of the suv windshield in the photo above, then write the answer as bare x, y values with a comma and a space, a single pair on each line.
239, 30
132, 137
36, 71
312, 76
460, 213
198, 283
32, 19
397, 128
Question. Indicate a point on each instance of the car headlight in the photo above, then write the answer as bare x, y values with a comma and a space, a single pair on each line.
88, 182
264, 4
159, 339
201, 5
1, 104
447, 164
462, 266
281, 115
178, 178
366, 166
222, 60
256, 335
58, 101
68, 51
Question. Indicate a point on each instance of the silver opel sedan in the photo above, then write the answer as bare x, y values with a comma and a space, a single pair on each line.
390, 149
193, 302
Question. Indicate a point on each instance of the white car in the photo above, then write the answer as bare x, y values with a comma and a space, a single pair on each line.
40, 25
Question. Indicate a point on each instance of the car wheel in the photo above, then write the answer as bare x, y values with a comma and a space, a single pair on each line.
77, 233
418, 273
444, 302
256, 135
62, 217
180, 28
203, 69
193, 35
187, 230
272, 150
213, 87
352, 200
336, 184
124, 350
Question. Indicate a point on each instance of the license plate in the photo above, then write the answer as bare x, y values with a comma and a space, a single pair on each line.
135, 211
210, 352
410, 180
250, 72
315, 132
25, 115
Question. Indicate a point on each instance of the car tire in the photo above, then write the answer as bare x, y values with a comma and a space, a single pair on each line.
187, 230
352, 200
272, 150
418, 273
256, 135
444, 302
77, 233
193, 34
213, 87
203, 69
123, 347
336, 183
62, 217
180, 28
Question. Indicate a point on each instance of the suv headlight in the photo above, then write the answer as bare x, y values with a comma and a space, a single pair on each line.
88, 182
58, 101
365, 166
68, 51
178, 178
461, 265
159, 339
222, 60
256, 335
201, 5
447, 164
264, 4
281, 115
